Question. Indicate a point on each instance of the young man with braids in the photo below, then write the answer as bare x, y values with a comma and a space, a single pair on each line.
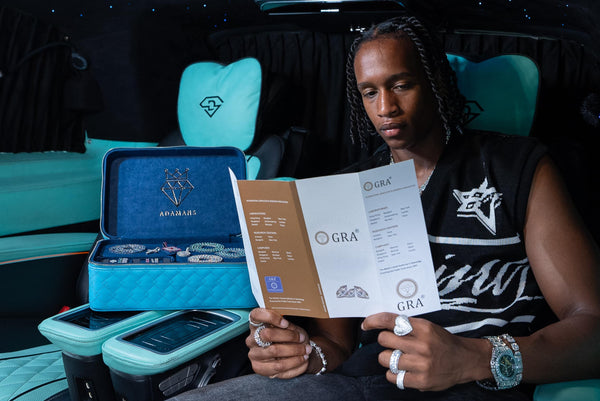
518, 279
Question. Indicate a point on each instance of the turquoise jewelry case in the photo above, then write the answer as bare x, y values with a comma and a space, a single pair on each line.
171, 232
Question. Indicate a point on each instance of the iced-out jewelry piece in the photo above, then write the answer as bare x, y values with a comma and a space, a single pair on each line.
258, 340
400, 379
506, 364
394, 361
253, 323
424, 185
402, 326
231, 253
183, 254
205, 259
206, 247
517, 353
321, 355
153, 250
127, 248
170, 249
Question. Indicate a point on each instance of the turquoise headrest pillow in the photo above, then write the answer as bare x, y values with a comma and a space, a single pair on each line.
501, 92
218, 104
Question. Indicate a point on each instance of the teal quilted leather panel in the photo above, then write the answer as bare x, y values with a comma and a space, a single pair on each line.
166, 287
32, 374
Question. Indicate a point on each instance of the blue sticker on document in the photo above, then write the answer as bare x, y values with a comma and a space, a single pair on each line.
273, 284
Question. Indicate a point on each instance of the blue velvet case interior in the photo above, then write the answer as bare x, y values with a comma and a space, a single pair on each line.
163, 207
170, 192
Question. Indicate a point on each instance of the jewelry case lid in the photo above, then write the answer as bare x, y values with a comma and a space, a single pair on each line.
170, 192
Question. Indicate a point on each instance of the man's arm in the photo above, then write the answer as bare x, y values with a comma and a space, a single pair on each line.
566, 264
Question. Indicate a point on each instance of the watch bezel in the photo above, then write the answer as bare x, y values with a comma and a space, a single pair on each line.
499, 350
500, 366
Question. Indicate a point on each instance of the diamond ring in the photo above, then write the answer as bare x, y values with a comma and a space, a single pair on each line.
400, 379
253, 323
394, 361
257, 338
402, 326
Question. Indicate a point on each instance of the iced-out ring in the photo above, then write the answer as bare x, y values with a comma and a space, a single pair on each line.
394, 361
259, 341
402, 326
400, 379
253, 323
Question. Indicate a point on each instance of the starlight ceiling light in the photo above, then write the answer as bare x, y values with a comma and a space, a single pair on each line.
289, 7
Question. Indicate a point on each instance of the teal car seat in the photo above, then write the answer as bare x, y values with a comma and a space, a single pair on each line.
224, 105
501, 94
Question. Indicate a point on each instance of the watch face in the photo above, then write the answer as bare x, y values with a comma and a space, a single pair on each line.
506, 365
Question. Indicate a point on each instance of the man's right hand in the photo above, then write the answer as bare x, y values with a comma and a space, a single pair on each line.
288, 352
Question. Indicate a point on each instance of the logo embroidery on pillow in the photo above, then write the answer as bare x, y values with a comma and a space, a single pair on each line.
211, 104
480, 203
474, 110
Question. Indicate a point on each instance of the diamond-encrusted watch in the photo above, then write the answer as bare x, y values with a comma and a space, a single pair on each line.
506, 364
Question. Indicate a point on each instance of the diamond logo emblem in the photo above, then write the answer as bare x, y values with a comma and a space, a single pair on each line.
211, 104
177, 186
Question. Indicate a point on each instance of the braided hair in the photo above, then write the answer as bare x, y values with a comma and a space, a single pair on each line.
450, 102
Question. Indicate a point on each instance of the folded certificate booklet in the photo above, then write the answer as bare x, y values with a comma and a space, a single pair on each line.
346, 245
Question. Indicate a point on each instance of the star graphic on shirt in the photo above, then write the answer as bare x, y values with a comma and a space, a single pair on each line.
480, 203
